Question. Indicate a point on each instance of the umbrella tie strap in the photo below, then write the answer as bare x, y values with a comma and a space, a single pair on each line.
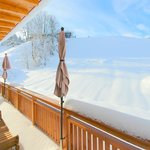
62, 138
62, 60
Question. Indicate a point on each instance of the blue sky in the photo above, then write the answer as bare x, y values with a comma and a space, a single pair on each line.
97, 18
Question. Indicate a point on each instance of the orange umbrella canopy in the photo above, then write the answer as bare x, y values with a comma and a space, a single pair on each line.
62, 78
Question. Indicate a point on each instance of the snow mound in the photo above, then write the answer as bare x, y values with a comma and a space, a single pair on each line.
128, 123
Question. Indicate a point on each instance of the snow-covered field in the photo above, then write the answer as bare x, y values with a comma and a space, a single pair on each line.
109, 83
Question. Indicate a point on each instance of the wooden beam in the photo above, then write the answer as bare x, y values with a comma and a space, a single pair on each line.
35, 2
10, 18
1, 37
14, 9
6, 24
5, 32
2, 34
4, 29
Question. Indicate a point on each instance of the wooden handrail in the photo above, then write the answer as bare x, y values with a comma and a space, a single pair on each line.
122, 135
45, 99
68, 113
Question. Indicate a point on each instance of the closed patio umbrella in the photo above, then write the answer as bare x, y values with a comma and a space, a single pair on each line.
62, 79
5, 66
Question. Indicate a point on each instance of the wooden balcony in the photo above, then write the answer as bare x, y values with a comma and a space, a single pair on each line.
80, 132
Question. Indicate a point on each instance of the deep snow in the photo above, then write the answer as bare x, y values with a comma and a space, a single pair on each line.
111, 80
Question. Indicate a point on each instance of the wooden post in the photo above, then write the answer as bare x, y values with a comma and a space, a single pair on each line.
18, 99
0, 87
66, 129
3, 89
33, 110
8, 92
65, 141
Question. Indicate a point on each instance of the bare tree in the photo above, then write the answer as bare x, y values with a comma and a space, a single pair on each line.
42, 32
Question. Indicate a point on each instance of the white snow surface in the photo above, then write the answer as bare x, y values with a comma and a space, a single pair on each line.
113, 89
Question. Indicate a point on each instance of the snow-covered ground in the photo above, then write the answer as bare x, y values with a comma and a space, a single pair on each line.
108, 82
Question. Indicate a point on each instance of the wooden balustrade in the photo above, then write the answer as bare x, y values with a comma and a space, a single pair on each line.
25, 104
48, 119
13, 96
80, 132
84, 136
0, 87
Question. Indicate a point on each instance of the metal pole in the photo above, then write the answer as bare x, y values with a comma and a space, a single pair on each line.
61, 124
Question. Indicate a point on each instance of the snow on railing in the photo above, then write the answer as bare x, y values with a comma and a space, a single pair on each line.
80, 132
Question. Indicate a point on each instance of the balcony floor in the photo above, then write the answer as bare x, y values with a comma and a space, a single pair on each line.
30, 137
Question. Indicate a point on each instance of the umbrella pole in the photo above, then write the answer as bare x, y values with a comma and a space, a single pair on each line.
61, 124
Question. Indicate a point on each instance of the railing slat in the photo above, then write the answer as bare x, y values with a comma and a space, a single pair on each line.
51, 124
100, 144
84, 139
55, 125
75, 137
107, 145
114, 148
79, 139
95, 142
57, 129
89, 141
70, 136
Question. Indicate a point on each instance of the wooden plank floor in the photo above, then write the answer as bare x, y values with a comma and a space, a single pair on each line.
30, 137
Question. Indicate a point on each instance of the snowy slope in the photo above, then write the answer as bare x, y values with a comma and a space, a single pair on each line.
108, 47
115, 87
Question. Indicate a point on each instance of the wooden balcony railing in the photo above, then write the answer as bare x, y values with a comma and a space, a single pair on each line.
80, 132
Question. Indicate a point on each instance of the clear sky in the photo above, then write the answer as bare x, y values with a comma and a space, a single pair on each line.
97, 18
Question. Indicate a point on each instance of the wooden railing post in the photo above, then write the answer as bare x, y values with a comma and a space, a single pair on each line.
8, 92
0, 87
65, 141
33, 110
18, 98
3, 89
